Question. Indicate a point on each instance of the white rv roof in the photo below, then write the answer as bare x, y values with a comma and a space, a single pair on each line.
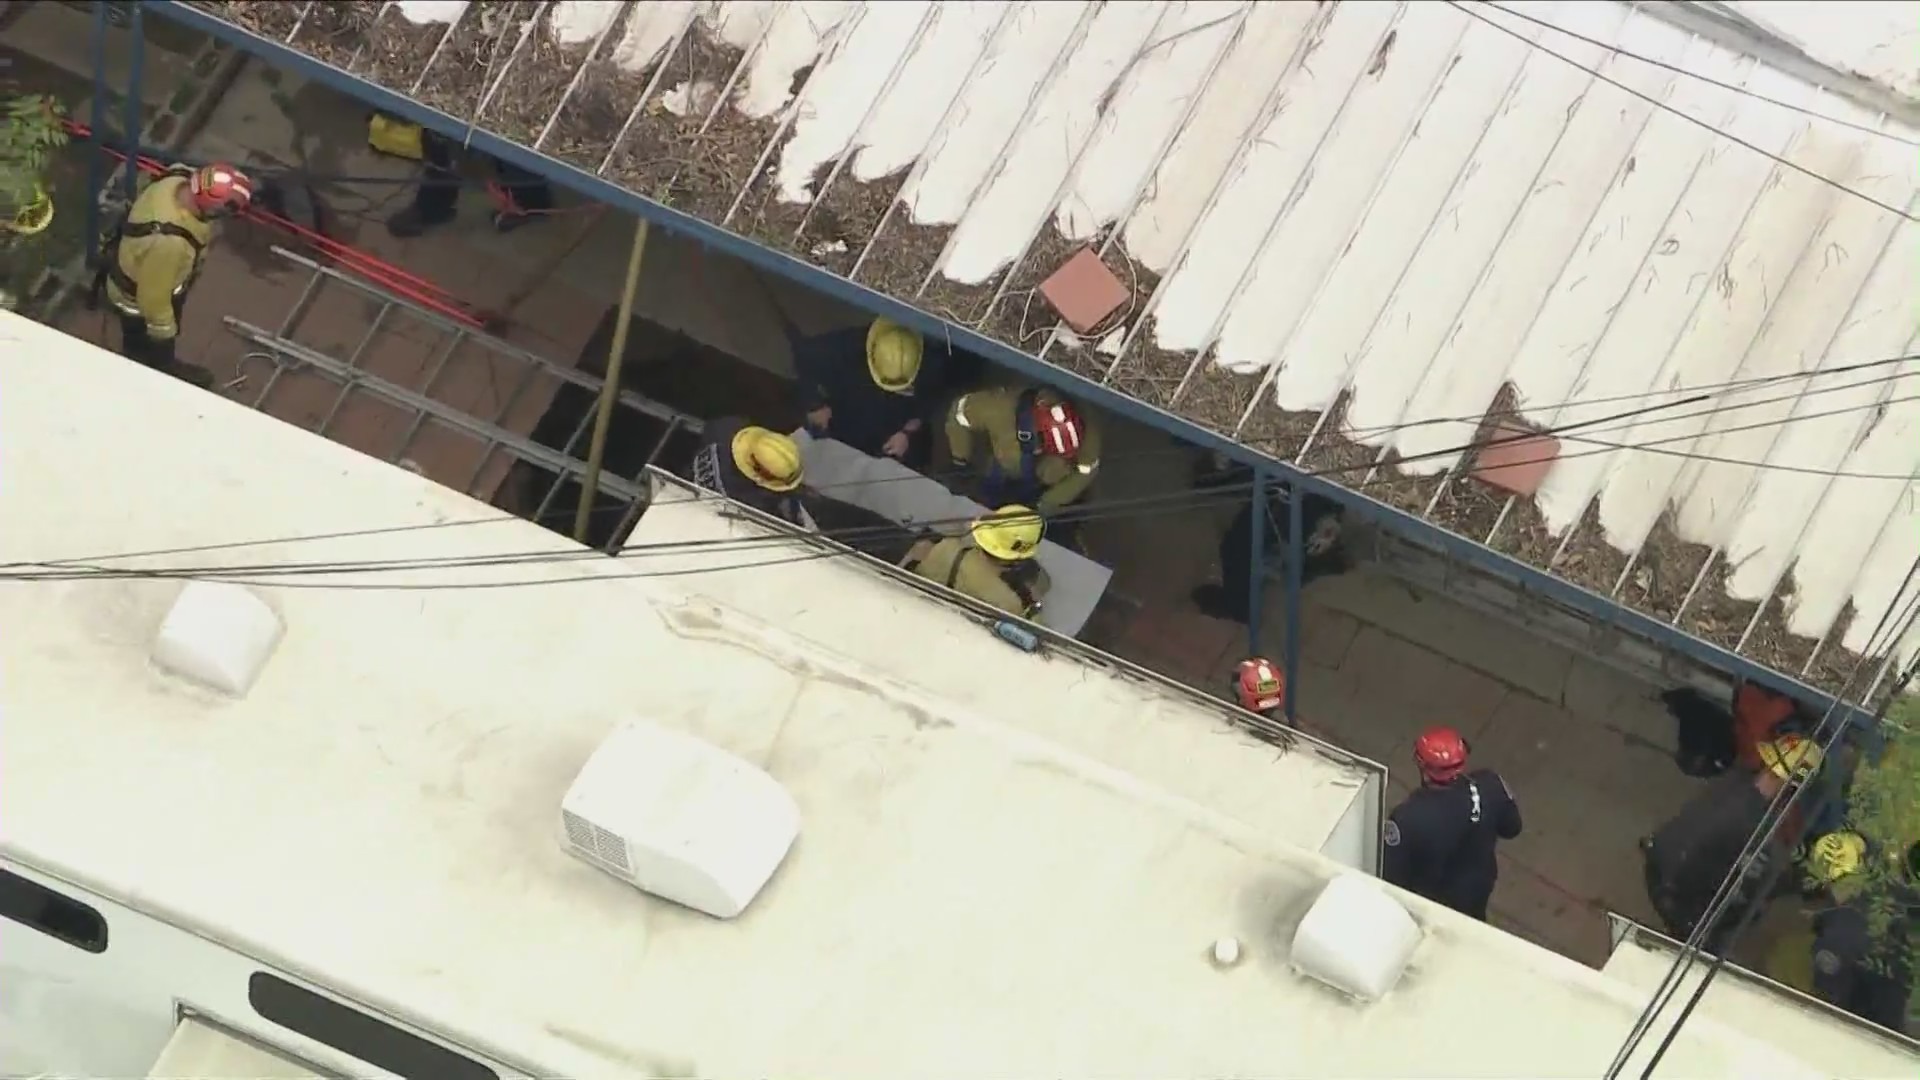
968, 897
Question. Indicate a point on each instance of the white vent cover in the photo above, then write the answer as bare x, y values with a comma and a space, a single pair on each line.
218, 635
679, 818
1356, 938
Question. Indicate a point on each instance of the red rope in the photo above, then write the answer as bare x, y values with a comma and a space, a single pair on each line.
401, 283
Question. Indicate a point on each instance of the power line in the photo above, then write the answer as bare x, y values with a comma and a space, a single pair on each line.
1697, 77
1664, 107
77, 568
1727, 387
1771, 822
1693, 392
1180, 500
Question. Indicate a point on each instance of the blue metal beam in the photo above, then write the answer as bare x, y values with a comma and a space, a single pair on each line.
97, 153
130, 125
1257, 563
1296, 575
1301, 483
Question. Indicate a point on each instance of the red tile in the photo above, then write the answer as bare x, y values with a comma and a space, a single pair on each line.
1084, 291
1519, 465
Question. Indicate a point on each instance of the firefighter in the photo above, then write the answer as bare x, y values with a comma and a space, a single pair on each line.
1689, 857
1258, 685
1869, 975
1321, 521
994, 563
753, 466
1440, 839
154, 254
1035, 448
880, 403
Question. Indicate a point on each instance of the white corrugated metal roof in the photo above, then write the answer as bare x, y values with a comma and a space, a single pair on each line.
1877, 39
1352, 229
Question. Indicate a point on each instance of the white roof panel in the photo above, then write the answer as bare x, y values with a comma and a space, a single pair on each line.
970, 894
1352, 232
1644, 958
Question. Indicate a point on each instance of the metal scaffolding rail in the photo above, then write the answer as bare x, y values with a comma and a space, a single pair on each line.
495, 439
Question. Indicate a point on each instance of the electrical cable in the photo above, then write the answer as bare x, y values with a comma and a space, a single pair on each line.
1697, 77
1079, 513
1727, 387
1771, 821
1198, 497
1192, 499
1664, 107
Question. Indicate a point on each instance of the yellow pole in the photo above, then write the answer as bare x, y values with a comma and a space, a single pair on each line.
610, 393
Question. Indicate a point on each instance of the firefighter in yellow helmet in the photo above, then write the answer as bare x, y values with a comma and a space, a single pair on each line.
155, 253
993, 563
753, 466
1856, 967
1033, 446
873, 387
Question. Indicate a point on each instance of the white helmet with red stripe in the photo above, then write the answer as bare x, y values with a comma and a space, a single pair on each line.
1058, 427
219, 190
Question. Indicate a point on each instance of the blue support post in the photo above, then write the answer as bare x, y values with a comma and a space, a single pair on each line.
130, 124
1257, 564
1296, 562
1300, 483
98, 119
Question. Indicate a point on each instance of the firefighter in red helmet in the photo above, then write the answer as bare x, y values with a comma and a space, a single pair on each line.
1032, 446
154, 255
1440, 839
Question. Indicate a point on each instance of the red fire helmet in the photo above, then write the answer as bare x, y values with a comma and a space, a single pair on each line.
1260, 685
219, 190
1440, 753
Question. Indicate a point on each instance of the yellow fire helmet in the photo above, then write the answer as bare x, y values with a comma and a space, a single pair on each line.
893, 356
768, 458
1791, 757
1011, 533
1834, 856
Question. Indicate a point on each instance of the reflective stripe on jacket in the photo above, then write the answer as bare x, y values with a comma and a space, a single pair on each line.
996, 416
155, 256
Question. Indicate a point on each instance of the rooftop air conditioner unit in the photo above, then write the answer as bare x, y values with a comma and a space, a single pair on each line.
679, 818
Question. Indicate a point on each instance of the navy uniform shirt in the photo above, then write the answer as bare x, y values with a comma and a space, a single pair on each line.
1440, 840
832, 370
1692, 854
1849, 973
713, 468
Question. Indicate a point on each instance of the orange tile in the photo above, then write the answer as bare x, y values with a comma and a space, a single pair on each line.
1084, 291
1517, 466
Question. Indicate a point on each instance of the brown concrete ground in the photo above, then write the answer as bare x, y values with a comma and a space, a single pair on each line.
1584, 749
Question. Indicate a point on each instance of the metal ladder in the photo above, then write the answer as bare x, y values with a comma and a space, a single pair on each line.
457, 347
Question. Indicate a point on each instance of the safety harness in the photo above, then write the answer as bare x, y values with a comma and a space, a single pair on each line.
110, 268
1019, 576
1028, 437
